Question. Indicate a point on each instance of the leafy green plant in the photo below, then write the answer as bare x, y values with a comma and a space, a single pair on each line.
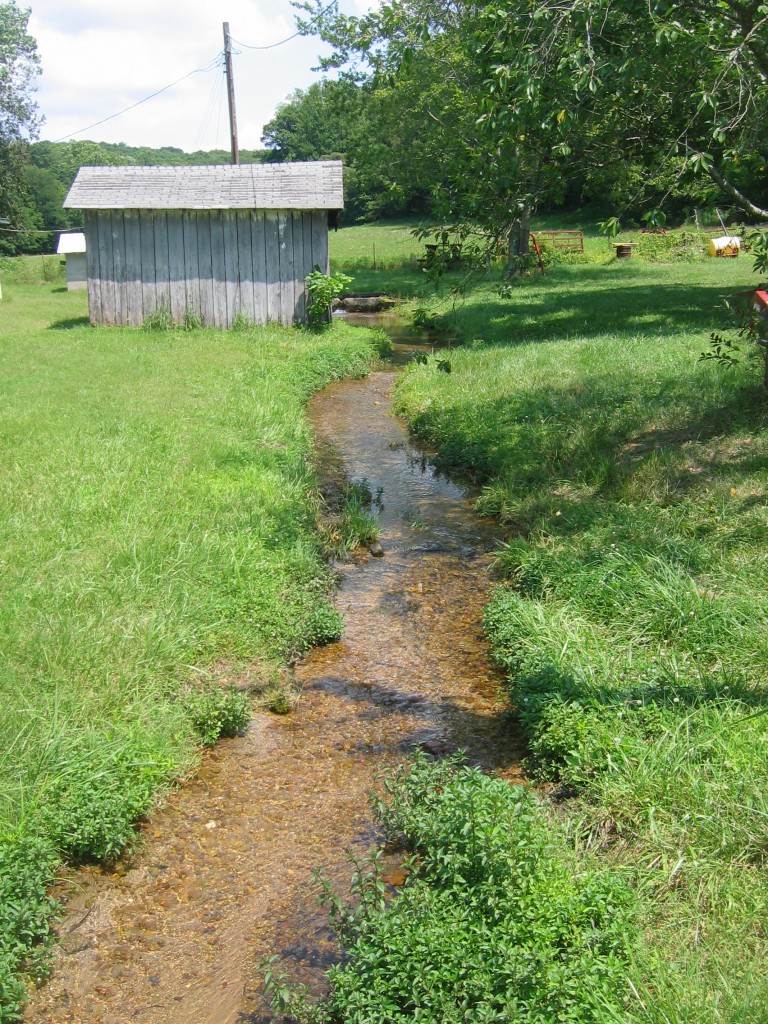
215, 712
279, 699
611, 226
323, 289
425, 317
359, 524
193, 321
750, 328
494, 922
654, 219
350, 521
27, 868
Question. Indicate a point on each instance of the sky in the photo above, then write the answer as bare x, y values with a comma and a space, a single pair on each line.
100, 56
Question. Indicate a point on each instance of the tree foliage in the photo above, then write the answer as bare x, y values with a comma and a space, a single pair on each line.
346, 119
19, 67
511, 105
19, 119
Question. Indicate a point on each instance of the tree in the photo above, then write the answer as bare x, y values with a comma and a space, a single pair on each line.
19, 120
667, 81
428, 70
516, 103
333, 118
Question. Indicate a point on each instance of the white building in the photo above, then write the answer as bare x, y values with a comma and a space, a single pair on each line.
72, 245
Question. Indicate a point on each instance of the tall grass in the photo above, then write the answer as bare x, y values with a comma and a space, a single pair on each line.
157, 523
632, 615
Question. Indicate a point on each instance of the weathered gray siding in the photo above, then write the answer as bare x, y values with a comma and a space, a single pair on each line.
213, 265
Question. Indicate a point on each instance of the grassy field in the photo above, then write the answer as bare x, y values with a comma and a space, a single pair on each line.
631, 611
386, 255
157, 531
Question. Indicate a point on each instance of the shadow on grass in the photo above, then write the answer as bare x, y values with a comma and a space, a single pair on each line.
593, 433
677, 696
605, 303
571, 301
69, 323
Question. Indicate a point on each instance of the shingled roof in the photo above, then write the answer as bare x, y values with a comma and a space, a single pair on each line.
292, 186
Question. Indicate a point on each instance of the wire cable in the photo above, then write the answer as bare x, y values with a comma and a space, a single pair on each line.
271, 46
216, 62
213, 96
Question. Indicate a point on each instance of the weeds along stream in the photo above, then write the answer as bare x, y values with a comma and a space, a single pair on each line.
223, 877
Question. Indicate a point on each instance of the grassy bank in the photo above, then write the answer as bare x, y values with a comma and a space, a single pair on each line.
157, 530
631, 617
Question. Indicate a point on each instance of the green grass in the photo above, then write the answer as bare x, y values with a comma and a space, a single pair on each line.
157, 527
631, 615
385, 256
364, 251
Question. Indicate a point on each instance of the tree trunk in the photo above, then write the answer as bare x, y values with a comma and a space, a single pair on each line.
519, 241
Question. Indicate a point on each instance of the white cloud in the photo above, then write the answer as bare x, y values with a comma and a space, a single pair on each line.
99, 56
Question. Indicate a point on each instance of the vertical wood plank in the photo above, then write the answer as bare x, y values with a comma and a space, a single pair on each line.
231, 265
272, 244
320, 241
118, 262
306, 223
218, 270
176, 270
91, 230
134, 308
148, 269
106, 268
300, 270
191, 264
259, 250
285, 239
162, 270
205, 270
247, 299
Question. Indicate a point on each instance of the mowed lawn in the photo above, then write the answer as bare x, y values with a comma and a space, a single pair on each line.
157, 530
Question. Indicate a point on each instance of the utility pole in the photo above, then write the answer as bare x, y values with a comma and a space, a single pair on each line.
230, 94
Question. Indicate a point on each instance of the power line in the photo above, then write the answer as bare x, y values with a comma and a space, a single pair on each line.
282, 42
211, 105
216, 62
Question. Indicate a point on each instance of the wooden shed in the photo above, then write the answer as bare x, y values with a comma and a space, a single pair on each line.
210, 242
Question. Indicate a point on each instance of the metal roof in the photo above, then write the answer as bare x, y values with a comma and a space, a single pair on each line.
314, 185
70, 242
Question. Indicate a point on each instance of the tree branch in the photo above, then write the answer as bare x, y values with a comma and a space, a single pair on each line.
739, 198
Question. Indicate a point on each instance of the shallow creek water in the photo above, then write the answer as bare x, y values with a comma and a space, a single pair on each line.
223, 876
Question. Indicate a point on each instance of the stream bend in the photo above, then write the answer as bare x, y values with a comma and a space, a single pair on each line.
224, 876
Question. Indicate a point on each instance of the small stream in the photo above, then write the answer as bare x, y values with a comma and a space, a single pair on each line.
224, 875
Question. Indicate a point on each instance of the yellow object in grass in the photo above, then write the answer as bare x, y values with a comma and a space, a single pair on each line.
728, 245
